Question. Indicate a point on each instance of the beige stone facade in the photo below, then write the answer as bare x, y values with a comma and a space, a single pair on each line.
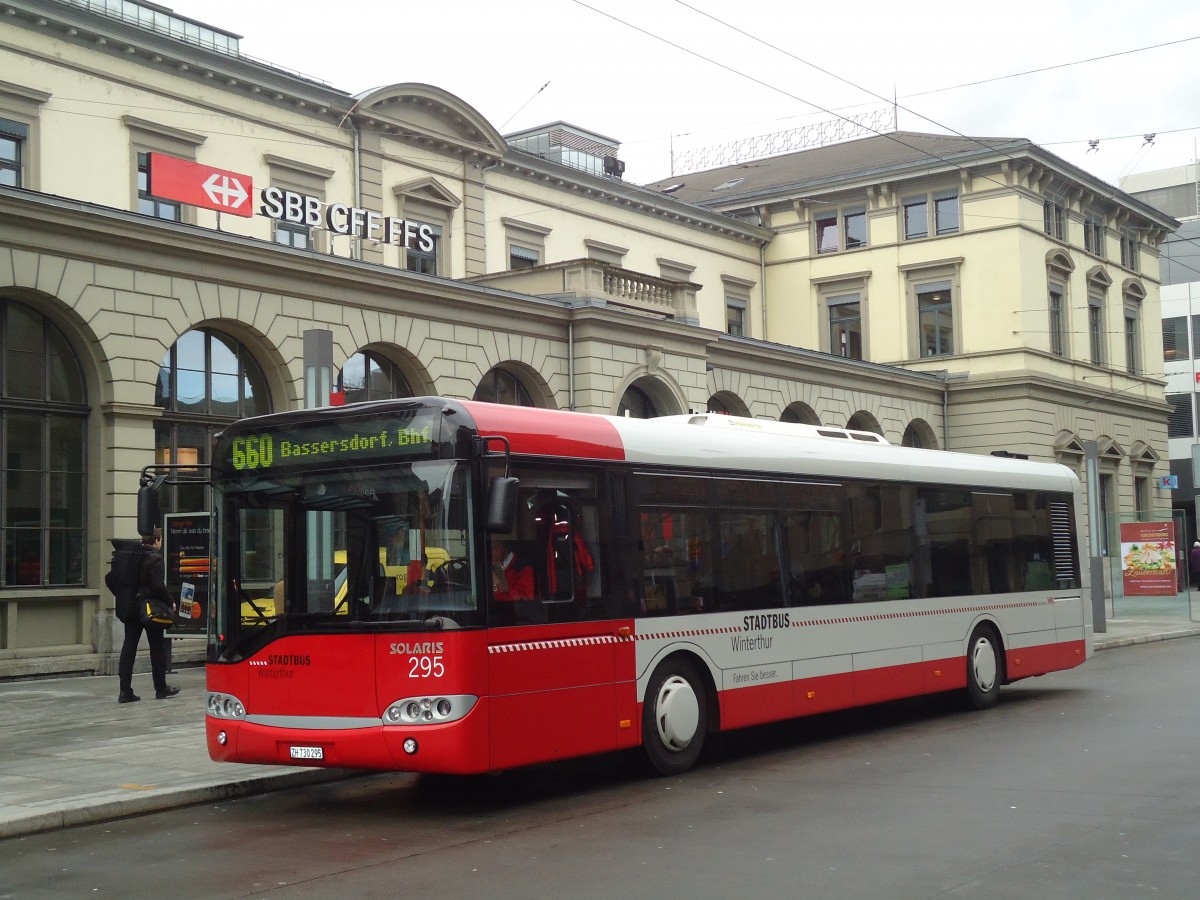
587, 291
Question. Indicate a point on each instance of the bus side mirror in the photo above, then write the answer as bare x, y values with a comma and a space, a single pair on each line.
502, 504
149, 516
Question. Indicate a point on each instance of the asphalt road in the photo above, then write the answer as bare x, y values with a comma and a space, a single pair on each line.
1081, 784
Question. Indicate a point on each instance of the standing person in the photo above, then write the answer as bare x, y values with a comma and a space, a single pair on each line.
153, 583
1194, 564
512, 577
397, 548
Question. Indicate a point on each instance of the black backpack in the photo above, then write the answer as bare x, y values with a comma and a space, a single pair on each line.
125, 576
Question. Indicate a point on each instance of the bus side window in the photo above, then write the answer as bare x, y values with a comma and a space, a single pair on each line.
676, 560
748, 572
565, 565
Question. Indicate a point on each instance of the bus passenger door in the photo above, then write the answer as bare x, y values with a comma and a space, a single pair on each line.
552, 661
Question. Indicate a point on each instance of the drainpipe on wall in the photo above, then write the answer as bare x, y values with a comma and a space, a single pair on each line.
945, 414
357, 180
483, 170
762, 281
947, 377
357, 176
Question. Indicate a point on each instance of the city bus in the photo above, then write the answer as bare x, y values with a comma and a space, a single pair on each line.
667, 579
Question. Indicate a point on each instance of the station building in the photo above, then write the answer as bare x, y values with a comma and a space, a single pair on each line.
971, 294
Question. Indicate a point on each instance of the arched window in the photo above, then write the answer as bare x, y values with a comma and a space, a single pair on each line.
368, 376
206, 380
501, 386
800, 413
863, 421
43, 446
637, 404
919, 434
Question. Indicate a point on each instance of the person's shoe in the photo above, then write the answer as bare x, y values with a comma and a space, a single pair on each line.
166, 692
128, 697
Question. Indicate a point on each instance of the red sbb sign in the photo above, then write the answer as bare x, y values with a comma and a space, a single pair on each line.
189, 182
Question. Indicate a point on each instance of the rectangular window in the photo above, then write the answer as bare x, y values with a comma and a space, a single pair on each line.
1053, 218
855, 227
935, 319
942, 205
1132, 339
1141, 498
841, 229
1058, 333
1129, 249
845, 326
1096, 328
1179, 420
13, 136
945, 212
1175, 338
916, 218
291, 235
149, 205
735, 316
827, 232
425, 261
1093, 233
522, 257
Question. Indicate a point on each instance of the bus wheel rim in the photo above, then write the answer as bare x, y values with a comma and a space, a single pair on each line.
677, 713
983, 665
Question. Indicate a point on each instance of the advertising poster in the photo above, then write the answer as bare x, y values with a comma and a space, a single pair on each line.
1148, 559
186, 554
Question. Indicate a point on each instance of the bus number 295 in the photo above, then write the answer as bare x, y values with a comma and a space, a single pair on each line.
426, 667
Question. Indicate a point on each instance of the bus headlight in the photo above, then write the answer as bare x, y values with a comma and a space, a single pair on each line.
225, 706
433, 710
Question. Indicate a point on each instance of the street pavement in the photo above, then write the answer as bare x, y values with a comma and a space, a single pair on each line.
71, 755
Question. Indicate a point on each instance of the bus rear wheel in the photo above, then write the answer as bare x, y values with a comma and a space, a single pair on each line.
674, 717
985, 668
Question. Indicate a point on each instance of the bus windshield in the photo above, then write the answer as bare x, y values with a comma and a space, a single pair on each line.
355, 549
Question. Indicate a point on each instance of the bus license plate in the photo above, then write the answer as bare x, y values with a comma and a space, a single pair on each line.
308, 752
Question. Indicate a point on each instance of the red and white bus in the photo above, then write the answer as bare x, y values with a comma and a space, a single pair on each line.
447, 586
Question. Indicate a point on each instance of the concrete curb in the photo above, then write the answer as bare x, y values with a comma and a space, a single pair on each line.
84, 812
1103, 642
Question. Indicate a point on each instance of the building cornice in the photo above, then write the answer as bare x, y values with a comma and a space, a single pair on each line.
633, 197
241, 74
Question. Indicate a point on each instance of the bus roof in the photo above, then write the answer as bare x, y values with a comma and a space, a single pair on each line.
753, 445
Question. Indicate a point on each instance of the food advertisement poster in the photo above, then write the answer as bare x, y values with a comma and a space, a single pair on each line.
186, 553
1148, 559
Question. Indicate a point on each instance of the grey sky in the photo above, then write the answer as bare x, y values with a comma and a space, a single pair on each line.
664, 77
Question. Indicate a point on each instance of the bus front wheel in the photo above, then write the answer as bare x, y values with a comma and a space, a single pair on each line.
674, 717
985, 668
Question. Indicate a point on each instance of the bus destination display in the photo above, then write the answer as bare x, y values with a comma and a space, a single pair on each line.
275, 448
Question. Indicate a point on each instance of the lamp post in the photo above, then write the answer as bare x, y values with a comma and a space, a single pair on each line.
1091, 458
318, 382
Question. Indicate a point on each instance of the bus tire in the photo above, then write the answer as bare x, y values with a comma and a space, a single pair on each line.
985, 668
674, 717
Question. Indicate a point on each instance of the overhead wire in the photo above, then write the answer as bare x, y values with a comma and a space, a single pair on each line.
892, 136
893, 101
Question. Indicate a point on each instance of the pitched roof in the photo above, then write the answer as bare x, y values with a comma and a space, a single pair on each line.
866, 158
